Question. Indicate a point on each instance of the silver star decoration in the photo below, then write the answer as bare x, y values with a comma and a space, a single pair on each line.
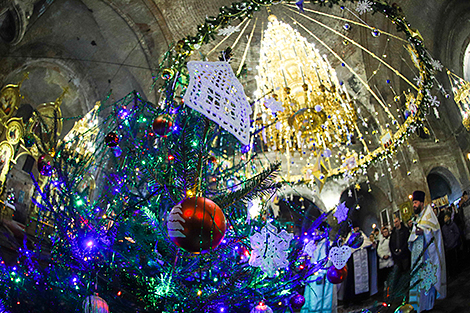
434, 102
436, 64
418, 80
364, 6
228, 30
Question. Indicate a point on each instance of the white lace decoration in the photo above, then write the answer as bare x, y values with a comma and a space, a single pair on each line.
215, 91
270, 249
339, 256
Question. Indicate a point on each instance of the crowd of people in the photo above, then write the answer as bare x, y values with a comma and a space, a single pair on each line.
427, 249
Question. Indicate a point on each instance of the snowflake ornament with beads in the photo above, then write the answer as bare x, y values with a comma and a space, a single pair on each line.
270, 249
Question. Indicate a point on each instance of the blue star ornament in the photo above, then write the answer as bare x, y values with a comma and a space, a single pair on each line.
300, 5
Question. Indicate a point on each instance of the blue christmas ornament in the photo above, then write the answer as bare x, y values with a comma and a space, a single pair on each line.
407, 114
355, 240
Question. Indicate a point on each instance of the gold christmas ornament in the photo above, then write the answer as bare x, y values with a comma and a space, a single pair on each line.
167, 74
405, 308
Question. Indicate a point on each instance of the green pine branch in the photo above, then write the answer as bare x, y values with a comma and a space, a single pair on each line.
261, 184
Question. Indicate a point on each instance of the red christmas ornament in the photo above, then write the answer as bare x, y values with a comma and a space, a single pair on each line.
335, 276
196, 224
162, 125
111, 139
45, 165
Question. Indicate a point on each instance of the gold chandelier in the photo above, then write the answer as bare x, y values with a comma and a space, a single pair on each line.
308, 107
461, 91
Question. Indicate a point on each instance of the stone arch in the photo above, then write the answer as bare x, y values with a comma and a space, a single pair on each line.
14, 18
441, 176
302, 191
288, 205
365, 206
48, 77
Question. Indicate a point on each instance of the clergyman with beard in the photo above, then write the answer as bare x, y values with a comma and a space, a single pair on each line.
426, 235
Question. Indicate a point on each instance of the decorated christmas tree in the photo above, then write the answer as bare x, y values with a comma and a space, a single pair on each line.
151, 202
128, 190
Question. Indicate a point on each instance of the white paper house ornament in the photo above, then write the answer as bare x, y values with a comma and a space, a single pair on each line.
215, 91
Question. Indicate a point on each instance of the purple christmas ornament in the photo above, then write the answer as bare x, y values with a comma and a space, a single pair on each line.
335, 276
297, 301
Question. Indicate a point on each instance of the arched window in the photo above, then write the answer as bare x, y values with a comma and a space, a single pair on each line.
466, 64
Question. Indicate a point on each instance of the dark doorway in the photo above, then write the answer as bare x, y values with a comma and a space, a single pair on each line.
299, 212
438, 186
364, 206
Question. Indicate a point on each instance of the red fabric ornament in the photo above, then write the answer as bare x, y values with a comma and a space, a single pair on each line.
196, 224
335, 276
162, 125
111, 139
45, 165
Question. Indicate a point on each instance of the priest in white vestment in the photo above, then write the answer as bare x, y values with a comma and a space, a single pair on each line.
426, 235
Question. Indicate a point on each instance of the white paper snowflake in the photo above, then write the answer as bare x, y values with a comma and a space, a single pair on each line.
228, 30
215, 91
396, 165
273, 105
341, 213
270, 249
364, 6
436, 64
